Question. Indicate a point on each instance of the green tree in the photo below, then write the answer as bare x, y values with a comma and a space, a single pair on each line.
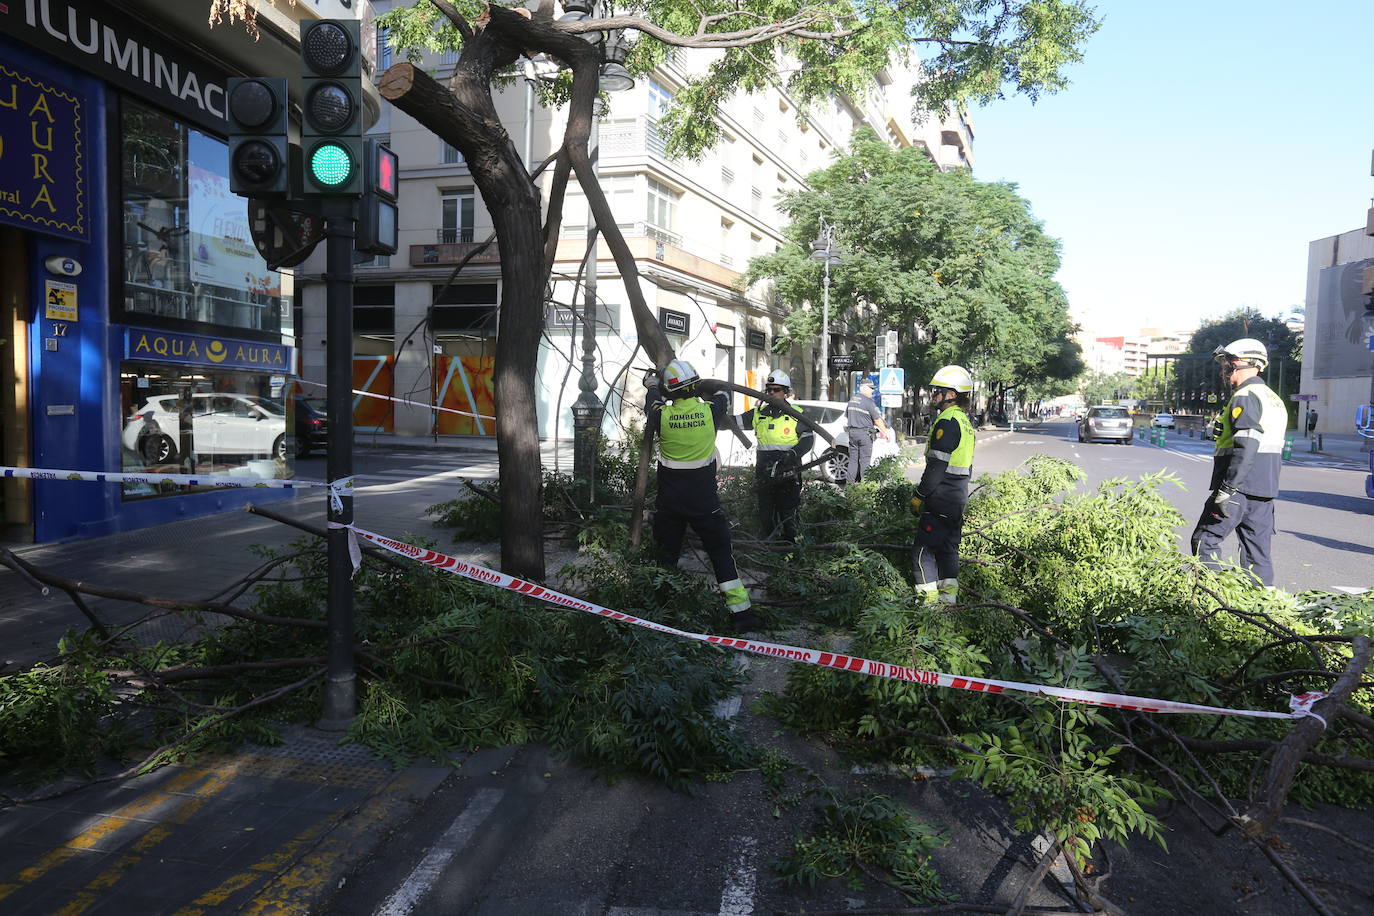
959, 267
974, 52
1101, 387
1285, 351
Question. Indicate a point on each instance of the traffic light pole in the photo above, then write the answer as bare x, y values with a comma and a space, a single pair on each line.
340, 694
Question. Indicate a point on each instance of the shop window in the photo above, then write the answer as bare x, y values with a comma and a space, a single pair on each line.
187, 253
198, 420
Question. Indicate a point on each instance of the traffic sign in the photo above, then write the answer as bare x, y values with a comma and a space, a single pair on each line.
892, 400
891, 380
1302, 397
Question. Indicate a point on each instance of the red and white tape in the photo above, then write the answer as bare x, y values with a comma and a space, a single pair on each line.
811, 656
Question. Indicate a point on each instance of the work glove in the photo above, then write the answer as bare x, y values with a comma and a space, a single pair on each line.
917, 502
1221, 502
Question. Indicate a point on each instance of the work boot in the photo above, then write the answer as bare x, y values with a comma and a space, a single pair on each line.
745, 621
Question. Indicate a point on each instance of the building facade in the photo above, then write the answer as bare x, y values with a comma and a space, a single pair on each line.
139, 328
1337, 365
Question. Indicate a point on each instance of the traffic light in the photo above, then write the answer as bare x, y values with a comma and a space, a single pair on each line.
376, 233
331, 108
259, 161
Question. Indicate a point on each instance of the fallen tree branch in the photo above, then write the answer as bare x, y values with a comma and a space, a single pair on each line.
1261, 817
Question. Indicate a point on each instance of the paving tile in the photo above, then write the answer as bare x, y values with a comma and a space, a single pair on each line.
102, 833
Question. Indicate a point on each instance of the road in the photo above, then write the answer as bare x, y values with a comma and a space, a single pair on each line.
517, 831
1325, 537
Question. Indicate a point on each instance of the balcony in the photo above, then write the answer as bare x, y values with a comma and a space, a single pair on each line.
450, 247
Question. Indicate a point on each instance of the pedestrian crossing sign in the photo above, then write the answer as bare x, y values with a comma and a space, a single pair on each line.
891, 380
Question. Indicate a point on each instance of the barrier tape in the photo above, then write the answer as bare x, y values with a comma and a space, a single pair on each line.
337, 489
1301, 706
387, 397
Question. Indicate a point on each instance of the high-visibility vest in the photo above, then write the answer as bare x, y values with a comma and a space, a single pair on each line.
686, 434
960, 461
1263, 477
776, 433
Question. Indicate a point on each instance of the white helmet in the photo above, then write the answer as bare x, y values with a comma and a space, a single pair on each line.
778, 377
956, 378
678, 375
1246, 350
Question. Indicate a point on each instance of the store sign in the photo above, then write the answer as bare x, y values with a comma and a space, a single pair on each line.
106, 42
42, 155
674, 322
755, 340
200, 350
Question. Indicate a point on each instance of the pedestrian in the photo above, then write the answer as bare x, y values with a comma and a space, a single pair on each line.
1311, 421
781, 441
686, 425
1245, 469
942, 493
863, 423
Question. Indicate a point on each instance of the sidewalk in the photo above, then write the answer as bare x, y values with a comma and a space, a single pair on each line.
259, 830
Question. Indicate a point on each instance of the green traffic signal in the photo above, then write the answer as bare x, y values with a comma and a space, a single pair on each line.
331, 165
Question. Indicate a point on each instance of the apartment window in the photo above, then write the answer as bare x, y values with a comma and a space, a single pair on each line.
448, 59
727, 179
660, 99
725, 257
620, 194
662, 205
449, 155
755, 244
755, 201
456, 209
383, 50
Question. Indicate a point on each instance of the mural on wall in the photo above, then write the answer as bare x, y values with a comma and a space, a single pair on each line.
373, 374
466, 383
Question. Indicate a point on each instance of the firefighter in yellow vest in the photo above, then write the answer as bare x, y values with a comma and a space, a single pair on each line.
942, 493
686, 425
1245, 469
783, 442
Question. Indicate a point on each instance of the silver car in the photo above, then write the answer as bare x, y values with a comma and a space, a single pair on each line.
828, 414
1106, 422
221, 424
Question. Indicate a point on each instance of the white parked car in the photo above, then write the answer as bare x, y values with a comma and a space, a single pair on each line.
830, 416
221, 424
1163, 421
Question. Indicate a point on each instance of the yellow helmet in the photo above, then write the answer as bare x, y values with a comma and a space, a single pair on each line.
956, 378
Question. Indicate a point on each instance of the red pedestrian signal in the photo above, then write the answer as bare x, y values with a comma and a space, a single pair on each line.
377, 211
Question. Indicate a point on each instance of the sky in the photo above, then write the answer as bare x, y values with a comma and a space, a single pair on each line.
1200, 146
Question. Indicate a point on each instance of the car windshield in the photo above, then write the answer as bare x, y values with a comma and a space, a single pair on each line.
818, 414
1111, 413
269, 405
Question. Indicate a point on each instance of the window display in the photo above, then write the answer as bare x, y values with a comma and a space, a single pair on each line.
196, 420
188, 252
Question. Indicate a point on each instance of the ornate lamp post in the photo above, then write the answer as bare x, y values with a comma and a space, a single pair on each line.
825, 250
588, 410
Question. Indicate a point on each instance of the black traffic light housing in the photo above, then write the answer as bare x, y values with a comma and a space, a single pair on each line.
331, 108
376, 230
259, 157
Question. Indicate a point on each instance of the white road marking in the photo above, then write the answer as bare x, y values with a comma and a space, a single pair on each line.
423, 876
738, 897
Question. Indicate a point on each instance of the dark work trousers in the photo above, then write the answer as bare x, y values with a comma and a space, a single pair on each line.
689, 497
779, 496
860, 452
1252, 519
935, 552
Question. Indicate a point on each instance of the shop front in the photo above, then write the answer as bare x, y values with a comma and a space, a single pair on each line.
139, 328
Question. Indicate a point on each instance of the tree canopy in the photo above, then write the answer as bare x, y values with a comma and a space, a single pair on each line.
1285, 350
959, 267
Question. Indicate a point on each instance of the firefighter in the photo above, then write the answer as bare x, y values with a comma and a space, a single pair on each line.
783, 442
942, 493
686, 425
1245, 469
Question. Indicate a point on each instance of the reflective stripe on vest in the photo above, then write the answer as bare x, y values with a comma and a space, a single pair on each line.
960, 461
686, 434
775, 434
1273, 421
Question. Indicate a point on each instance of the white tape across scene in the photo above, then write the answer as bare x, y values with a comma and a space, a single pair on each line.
337, 489
823, 659
387, 397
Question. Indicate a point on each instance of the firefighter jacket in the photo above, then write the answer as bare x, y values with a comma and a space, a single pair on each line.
686, 428
1250, 442
777, 430
949, 461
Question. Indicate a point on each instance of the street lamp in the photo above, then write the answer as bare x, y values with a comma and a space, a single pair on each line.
588, 410
825, 250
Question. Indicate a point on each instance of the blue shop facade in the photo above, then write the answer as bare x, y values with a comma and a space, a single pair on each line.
139, 328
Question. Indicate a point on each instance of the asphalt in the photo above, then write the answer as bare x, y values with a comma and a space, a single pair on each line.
256, 831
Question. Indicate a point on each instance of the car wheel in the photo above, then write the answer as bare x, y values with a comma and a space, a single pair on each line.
835, 468
302, 446
1080, 436
159, 450
279, 448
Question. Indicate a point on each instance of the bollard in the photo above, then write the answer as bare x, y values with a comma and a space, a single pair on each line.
1312, 443
1320, 446
1288, 447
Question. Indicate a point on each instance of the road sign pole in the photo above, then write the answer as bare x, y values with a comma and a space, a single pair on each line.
340, 691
